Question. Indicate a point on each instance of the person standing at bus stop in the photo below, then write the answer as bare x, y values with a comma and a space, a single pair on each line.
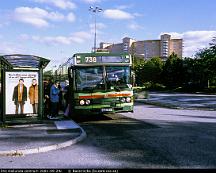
54, 98
33, 96
66, 99
47, 104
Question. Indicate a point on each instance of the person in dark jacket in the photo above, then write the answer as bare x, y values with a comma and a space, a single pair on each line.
66, 99
20, 96
54, 98
47, 103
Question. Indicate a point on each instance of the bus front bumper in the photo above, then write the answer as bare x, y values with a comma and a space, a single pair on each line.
93, 109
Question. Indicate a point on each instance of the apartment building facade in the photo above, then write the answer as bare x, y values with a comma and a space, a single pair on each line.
147, 49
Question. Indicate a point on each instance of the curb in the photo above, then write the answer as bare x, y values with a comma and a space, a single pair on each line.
23, 152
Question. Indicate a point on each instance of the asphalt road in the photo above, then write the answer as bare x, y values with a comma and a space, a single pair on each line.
151, 137
182, 100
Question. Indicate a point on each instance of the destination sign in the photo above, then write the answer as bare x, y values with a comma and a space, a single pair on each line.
103, 59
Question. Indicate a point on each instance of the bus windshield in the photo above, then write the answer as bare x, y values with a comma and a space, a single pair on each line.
98, 78
88, 78
117, 77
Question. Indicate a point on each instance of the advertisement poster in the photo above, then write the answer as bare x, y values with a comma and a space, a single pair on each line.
21, 91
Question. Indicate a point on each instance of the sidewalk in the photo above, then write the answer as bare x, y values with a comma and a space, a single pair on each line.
18, 140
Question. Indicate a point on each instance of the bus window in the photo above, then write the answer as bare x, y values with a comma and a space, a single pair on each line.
89, 78
118, 75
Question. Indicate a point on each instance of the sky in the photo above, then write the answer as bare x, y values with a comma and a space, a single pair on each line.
57, 29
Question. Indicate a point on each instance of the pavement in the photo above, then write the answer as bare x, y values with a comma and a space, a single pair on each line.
30, 138
21, 139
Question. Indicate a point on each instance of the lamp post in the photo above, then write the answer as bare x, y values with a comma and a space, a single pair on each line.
95, 10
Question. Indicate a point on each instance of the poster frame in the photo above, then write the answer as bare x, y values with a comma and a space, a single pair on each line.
40, 93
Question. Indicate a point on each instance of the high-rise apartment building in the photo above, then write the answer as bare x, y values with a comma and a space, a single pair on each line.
147, 48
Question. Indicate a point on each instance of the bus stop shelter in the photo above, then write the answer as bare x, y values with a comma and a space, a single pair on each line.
19, 73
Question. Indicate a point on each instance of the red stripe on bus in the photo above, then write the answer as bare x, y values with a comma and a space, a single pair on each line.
119, 95
92, 97
104, 96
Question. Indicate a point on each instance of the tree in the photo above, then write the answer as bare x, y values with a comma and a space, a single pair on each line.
188, 71
152, 70
173, 72
149, 71
48, 74
207, 58
138, 69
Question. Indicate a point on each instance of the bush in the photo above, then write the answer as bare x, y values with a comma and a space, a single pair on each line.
140, 93
138, 89
211, 89
154, 86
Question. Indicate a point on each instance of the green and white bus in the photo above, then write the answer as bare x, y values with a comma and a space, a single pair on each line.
99, 82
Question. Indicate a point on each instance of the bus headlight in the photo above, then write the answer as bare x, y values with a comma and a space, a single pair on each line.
88, 102
128, 99
122, 99
82, 102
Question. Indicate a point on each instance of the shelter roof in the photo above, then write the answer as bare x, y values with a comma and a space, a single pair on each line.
25, 61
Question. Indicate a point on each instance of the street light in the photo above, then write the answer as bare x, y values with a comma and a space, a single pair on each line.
95, 10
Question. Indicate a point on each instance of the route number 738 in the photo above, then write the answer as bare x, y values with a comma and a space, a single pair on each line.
90, 59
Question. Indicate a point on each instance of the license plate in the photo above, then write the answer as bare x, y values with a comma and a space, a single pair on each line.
106, 110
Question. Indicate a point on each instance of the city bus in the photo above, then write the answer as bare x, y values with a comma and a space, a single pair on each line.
99, 82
